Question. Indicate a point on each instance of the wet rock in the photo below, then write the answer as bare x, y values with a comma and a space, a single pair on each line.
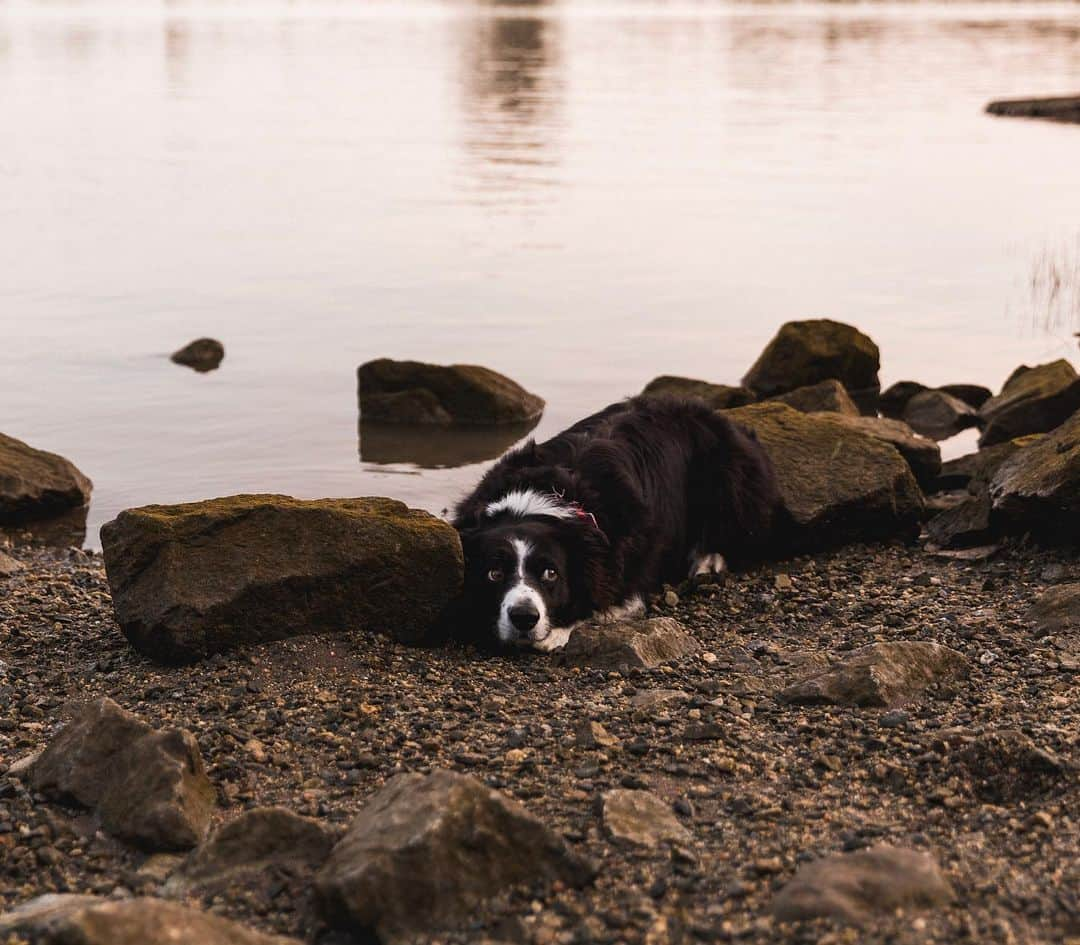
202, 355
884, 675
427, 850
974, 395
254, 848
837, 483
938, 415
630, 644
895, 398
36, 485
191, 580
922, 454
1037, 489
1006, 767
416, 393
963, 526
1057, 610
717, 396
975, 470
806, 352
857, 887
91, 920
149, 787
828, 397
1062, 108
1033, 400
640, 818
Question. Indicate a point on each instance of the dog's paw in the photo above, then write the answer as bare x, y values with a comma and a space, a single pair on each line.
708, 564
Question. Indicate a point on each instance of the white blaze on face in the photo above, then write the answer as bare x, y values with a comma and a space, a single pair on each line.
520, 593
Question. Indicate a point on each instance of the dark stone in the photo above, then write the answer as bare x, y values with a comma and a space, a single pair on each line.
717, 396
1006, 767
828, 397
1062, 108
975, 470
1058, 610
837, 483
938, 415
630, 644
883, 675
1033, 400
963, 526
974, 395
203, 354
895, 398
412, 392
35, 484
858, 887
195, 579
427, 850
806, 352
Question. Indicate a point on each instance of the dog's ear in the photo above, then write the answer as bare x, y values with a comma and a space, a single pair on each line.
619, 503
590, 576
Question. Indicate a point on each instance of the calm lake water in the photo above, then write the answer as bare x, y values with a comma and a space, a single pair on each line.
581, 194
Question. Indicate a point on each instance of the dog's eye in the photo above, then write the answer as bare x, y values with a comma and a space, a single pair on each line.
495, 575
550, 576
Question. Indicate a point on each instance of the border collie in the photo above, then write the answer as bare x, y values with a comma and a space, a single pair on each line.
647, 491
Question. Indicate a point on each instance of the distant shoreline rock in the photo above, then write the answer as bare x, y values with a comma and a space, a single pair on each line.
1064, 108
202, 355
36, 485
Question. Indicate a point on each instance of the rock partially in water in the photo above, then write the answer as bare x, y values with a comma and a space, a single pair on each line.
196, 579
428, 849
857, 887
964, 525
938, 415
202, 355
807, 352
828, 396
881, 675
837, 483
91, 920
643, 643
435, 447
1037, 489
640, 818
717, 396
922, 454
1061, 108
1033, 400
411, 392
149, 787
36, 485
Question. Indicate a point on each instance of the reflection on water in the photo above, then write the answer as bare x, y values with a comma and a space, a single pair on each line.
1055, 286
61, 531
434, 447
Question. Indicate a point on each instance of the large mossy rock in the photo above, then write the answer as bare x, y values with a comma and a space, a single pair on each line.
417, 393
36, 485
195, 579
1037, 489
837, 483
922, 454
826, 397
427, 850
807, 352
1033, 400
717, 396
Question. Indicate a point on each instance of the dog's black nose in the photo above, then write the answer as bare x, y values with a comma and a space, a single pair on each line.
524, 616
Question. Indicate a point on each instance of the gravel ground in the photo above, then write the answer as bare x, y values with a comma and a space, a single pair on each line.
318, 724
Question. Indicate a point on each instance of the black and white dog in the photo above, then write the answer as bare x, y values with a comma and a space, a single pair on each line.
645, 492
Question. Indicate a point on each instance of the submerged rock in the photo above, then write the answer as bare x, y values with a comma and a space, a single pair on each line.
640, 818
1033, 400
203, 354
938, 415
828, 396
642, 643
717, 396
807, 352
882, 675
427, 850
837, 483
1061, 108
857, 887
36, 485
416, 393
195, 579
149, 787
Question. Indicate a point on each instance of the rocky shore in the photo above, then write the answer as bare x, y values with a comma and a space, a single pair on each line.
736, 783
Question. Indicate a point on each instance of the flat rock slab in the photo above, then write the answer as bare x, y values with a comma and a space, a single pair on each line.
640, 818
426, 850
149, 787
1058, 610
643, 643
963, 526
191, 580
1037, 489
883, 675
717, 396
1033, 400
91, 920
857, 887
416, 393
838, 484
35, 484
1060, 108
